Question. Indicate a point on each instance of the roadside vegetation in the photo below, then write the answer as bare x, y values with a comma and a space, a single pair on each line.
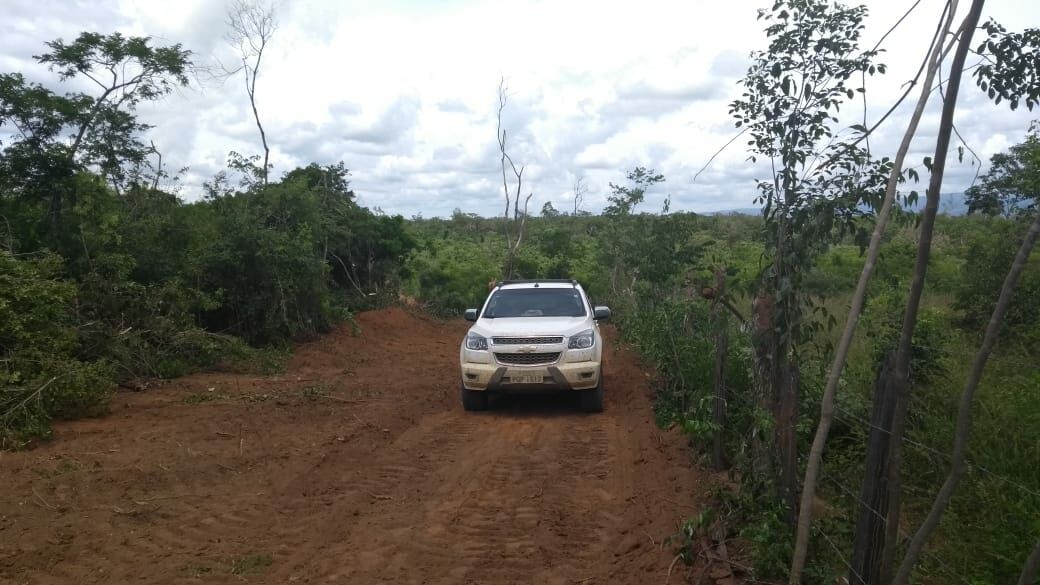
108, 278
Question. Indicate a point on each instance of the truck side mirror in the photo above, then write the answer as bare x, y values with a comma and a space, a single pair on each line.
471, 314
601, 313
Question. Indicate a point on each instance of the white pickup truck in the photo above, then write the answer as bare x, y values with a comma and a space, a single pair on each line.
534, 336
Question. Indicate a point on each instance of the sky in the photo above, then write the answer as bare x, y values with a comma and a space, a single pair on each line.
405, 93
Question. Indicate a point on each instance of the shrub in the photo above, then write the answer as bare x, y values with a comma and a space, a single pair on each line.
989, 253
882, 321
41, 376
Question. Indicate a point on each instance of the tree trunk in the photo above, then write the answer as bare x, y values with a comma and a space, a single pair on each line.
785, 437
814, 464
869, 537
777, 388
718, 455
901, 368
251, 90
963, 429
762, 362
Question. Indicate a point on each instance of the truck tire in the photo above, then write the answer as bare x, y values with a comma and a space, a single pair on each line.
592, 400
474, 399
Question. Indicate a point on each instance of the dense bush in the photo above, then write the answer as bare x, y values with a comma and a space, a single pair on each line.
990, 247
107, 277
41, 376
881, 324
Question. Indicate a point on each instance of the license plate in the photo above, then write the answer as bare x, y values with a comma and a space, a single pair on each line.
526, 379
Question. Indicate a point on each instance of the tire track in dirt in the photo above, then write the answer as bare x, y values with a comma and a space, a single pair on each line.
581, 504
385, 480
401, 474
488, 528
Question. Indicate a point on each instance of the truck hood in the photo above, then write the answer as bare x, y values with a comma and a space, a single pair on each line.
531, 326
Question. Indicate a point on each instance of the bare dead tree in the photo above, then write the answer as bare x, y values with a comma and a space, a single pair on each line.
580, 190
159, 173
514, 228
252, 23
932, 61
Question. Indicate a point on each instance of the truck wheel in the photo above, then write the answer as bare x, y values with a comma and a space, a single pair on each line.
592, 400
474, 399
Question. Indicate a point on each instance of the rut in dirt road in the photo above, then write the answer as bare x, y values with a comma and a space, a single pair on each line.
356, 466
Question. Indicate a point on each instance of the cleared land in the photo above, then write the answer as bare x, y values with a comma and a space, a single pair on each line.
358, 465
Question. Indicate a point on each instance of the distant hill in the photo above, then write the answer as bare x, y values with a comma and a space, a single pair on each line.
949, 204
741, 211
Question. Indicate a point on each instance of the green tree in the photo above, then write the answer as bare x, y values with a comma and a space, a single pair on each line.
126, 71
624, 198
37, 167
1012, 184
792, 93
549, 211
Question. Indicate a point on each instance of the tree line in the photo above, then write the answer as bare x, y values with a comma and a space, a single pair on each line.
108, 278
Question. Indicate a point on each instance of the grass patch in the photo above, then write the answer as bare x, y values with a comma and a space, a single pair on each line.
200, 397
196, 571
315, 391
251, 564
64, 466
265, 361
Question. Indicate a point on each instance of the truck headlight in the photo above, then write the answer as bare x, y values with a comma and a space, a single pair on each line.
583, 340
476, 342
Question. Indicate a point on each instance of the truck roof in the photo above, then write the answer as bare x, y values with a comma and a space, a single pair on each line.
539, 283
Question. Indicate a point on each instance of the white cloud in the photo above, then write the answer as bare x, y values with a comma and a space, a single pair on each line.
404, 92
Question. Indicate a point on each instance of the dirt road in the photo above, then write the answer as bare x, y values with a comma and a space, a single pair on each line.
352, 467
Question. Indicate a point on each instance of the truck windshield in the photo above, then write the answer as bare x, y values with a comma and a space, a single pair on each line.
535, 302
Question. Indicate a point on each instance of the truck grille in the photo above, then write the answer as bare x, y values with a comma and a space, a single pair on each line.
527, 359
526, 340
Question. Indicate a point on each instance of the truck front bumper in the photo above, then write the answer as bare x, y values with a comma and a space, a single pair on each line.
499, 378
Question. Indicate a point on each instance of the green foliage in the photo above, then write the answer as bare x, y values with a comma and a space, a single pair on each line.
1009, 72
793, 92
1012, 184
251, 564
267, 239
623, 199
41, 376
452, 276
758, 521
104, 132
148, 72
989, 253
107, 278
882, 321
549, 211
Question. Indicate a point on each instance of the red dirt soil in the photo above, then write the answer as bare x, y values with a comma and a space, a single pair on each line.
358, 465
